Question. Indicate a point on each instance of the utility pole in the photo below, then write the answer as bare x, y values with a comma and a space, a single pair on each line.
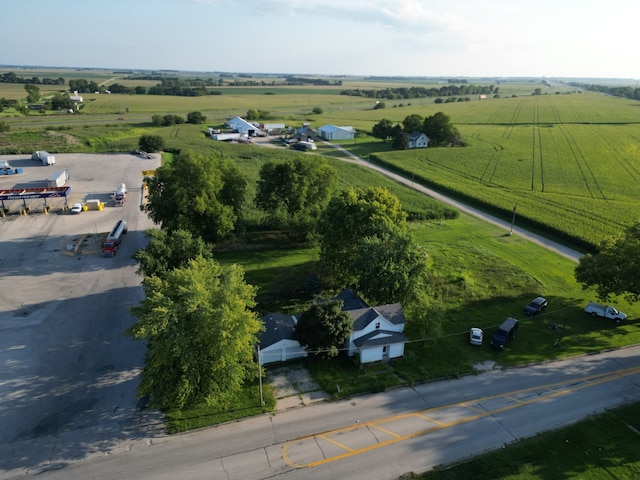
513, 219
260, 376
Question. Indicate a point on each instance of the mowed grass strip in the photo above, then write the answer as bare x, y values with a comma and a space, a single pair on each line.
602, 447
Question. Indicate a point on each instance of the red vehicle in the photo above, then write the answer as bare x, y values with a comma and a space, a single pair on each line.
112, 242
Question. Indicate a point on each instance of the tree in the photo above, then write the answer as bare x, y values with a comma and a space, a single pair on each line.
197, 193
169, 250
200, 332
156, 120
59, 101
379, 105
196, 118
151, 143
4, 127
324, 328
400, 138
382, 129
413, 123
351, 216
439, 129
33, 93
317, 111
615, 268
295, 191
391, 268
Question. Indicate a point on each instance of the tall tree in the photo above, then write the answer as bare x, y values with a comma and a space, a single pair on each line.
201, 334
390, 268
382, 129
197, 193
413, 123
324, 328
439, 129
615, 269
400, 138
296, 191
168, 250
33, 93
351, 216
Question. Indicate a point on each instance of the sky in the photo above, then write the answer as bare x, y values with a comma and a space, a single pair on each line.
426, 38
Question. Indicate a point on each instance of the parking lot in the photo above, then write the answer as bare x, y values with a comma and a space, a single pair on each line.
68, 376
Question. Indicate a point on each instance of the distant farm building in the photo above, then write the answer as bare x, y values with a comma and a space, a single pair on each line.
418, 140
332, 132
243, 127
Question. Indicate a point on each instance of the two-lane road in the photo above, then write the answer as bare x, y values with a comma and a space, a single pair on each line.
383, 435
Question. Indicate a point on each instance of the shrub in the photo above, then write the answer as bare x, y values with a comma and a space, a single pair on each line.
151, 143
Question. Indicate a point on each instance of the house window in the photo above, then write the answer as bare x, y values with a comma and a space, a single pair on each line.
384, 349
377, 325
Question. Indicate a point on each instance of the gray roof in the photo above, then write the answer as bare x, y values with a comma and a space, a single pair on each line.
364, 316
416, 135
388, 338
350, 300
277, 327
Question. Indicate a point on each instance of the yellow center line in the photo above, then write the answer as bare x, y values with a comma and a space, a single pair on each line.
545, 392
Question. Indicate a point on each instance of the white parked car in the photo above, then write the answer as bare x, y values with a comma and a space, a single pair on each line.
77, 208
475, 336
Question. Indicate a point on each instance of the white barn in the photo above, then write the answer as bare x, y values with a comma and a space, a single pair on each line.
332, 132
243, 127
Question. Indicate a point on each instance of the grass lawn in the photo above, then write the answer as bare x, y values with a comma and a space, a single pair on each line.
601, 447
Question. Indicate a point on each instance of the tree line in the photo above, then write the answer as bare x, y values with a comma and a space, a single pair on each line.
625, 92
11, 77
406, 93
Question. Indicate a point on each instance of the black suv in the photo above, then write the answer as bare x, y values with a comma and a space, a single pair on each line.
536, 306
504, 334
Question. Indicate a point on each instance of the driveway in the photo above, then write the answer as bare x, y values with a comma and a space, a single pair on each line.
293, 387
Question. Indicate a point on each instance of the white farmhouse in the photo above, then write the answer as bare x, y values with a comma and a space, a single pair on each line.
418, 140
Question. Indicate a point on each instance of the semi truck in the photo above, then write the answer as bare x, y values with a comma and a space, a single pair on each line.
604, 311
44, 157
58, 179
113, 240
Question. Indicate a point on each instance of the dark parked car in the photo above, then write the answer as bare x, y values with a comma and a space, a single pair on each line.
536, 306
504, 334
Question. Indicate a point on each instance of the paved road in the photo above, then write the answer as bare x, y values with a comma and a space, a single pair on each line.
558, 248
377, 436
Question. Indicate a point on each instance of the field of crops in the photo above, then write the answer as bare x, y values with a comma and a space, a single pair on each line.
571, 162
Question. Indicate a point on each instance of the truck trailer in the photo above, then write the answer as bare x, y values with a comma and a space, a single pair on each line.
113, 240
58, 179
44, 157
120, 195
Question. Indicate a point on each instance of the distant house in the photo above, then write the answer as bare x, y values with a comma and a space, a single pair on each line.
305, 134
418, 140
75, 97
332, 132
276, 342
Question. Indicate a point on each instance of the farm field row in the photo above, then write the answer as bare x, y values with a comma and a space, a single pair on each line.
580, 179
